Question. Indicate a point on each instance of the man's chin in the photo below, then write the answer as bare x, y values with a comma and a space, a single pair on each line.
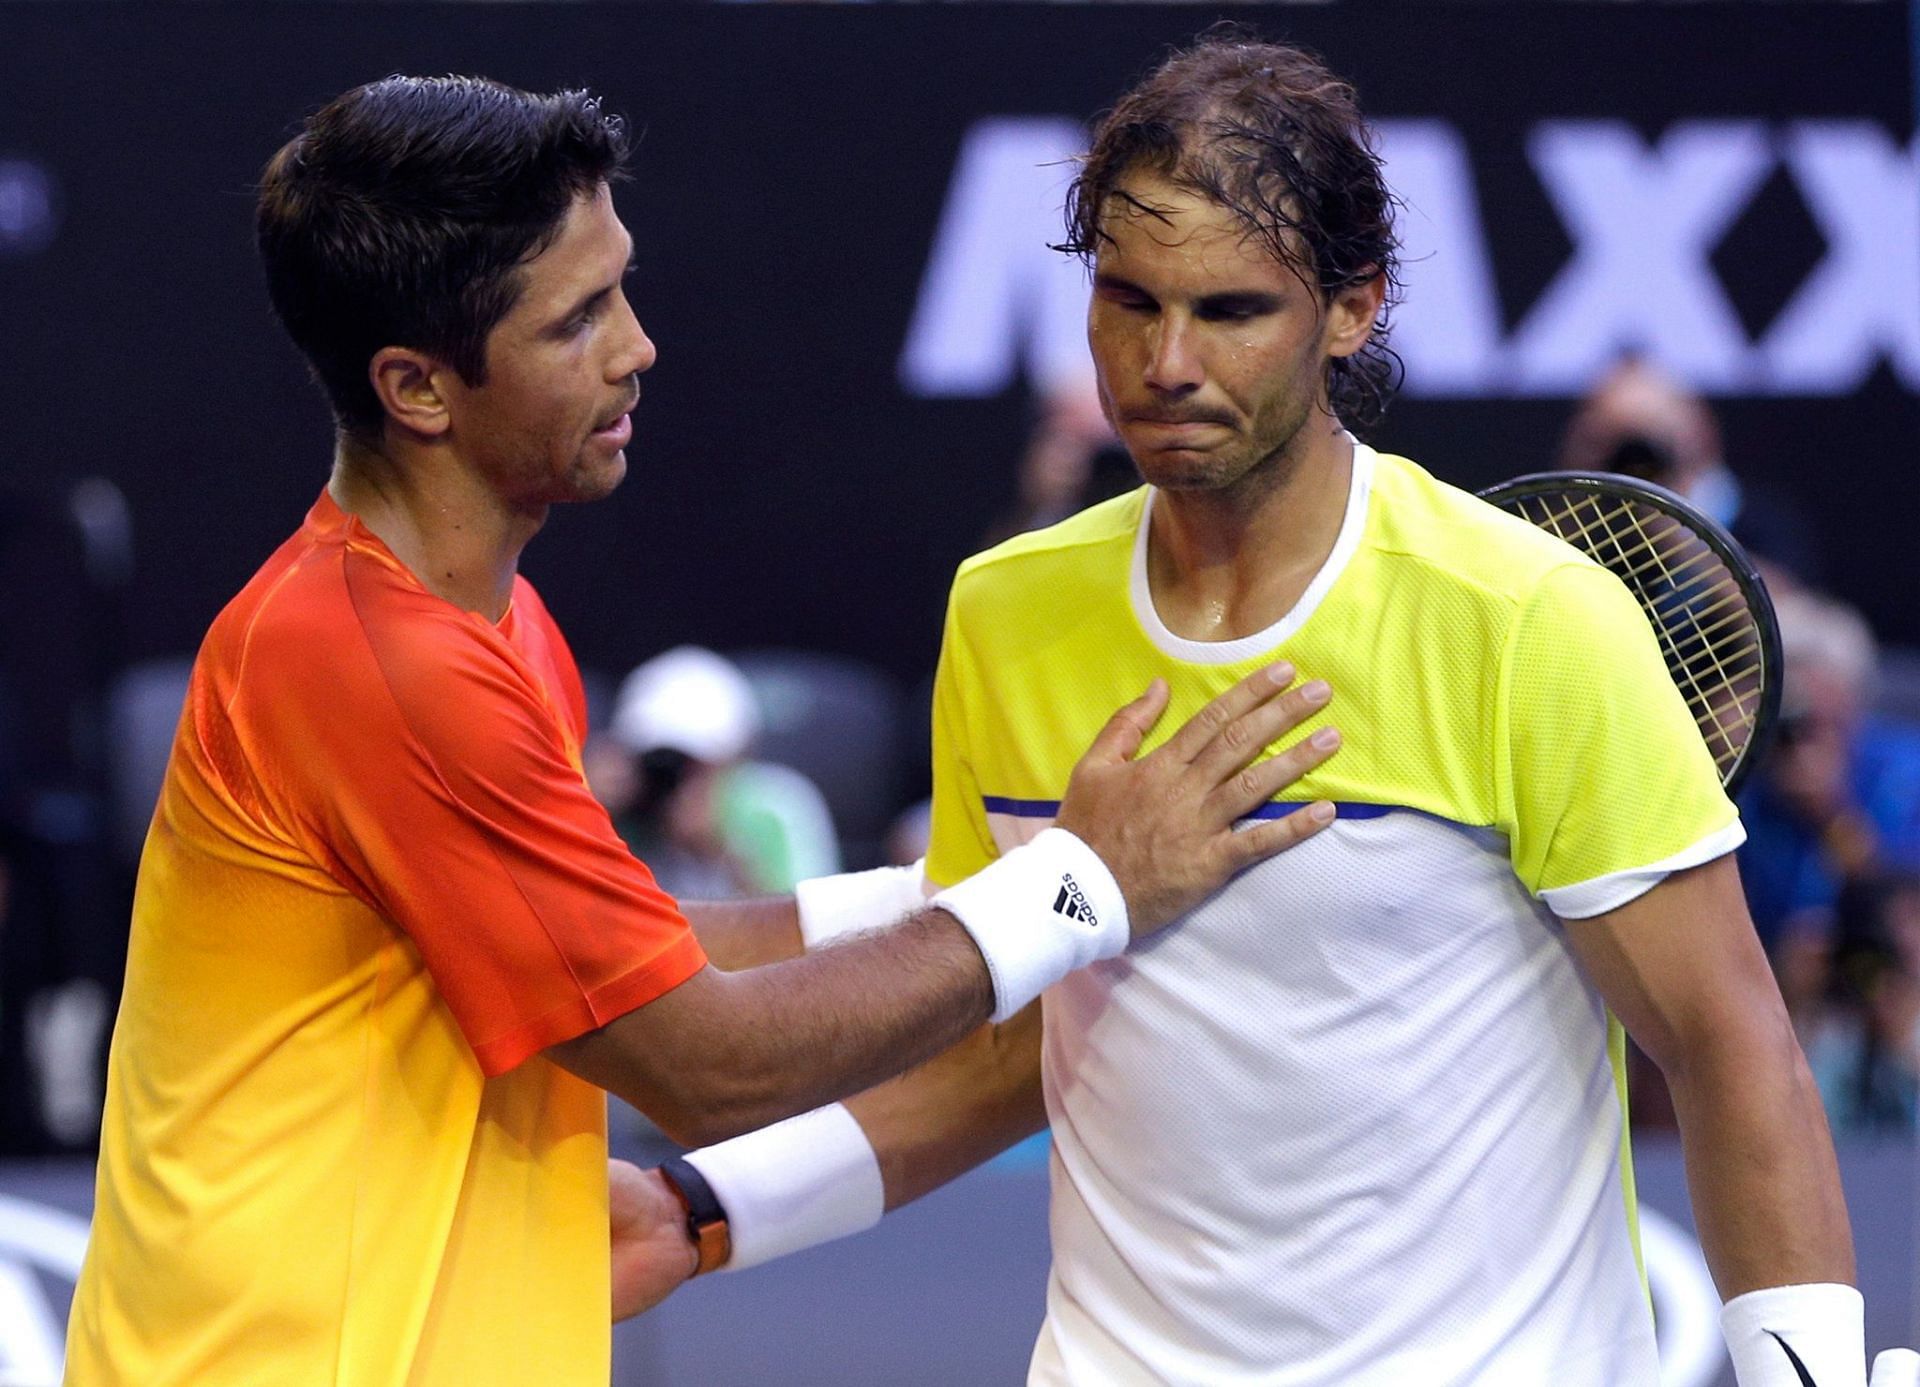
595, 479
1184, 469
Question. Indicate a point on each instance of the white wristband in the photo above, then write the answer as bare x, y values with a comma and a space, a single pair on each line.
1896, 1367
808, 1180
1785, 1336
854, 902
1045, 909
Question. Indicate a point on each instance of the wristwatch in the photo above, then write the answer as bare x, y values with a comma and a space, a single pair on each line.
706, 1220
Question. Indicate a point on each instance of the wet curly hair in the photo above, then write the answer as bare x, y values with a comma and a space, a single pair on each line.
1267, 132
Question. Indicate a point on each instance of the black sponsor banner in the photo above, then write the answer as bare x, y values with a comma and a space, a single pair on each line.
840, 216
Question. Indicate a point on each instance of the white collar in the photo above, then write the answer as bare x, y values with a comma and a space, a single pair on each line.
1352, 526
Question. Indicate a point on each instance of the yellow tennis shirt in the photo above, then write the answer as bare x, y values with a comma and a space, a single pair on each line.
1356, 1120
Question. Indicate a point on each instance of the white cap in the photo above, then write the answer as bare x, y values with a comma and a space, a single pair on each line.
690, 700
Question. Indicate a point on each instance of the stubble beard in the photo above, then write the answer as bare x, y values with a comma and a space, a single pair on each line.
596, 483
1256, 466
585, 477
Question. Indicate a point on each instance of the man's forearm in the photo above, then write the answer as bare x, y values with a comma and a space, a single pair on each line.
834, 1171
746, 934
940, 1120
727, 1052
752, 933
1760, 1167
957, 1110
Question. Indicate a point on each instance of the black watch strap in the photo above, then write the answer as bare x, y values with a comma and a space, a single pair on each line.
706, 1220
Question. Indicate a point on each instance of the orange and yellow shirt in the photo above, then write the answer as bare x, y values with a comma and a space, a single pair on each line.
374, 890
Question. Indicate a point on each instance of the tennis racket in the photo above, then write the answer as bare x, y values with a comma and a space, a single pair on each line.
1698, 588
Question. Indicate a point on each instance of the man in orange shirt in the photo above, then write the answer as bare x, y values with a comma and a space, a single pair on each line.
387, 951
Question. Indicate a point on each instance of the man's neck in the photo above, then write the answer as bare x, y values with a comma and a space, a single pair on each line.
1226, 564
452, 531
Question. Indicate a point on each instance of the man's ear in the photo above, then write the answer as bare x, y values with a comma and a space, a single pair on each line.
407, 383
1351, 314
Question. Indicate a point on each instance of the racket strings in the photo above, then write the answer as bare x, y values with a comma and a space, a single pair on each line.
1673, 577
1708, 636
1693, 595
1697, 587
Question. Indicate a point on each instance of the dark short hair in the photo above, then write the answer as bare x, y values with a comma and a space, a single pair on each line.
1267, 132
402, 211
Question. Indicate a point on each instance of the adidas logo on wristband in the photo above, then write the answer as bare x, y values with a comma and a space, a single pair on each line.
1028, 944
1072, 902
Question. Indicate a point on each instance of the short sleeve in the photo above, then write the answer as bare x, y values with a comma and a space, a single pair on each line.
431, 771
960, 842
1604, 778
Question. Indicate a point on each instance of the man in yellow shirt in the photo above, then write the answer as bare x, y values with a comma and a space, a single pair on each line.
1360, 1121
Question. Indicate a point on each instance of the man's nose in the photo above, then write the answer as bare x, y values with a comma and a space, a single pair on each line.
1173, 364
637, 352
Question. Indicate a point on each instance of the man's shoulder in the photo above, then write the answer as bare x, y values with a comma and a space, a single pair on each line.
286, 609
331, 618
1452, 536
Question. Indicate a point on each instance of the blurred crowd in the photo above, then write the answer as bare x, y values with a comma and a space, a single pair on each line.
741, 774
1831, 863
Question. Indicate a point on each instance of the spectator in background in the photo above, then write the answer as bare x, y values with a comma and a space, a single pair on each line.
1836, 805
1642, 422
910, 834
673, 772
1073, 459
1863, 1039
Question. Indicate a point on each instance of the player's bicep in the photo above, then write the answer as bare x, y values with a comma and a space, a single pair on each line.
661, 1056
1682, 968
748, 933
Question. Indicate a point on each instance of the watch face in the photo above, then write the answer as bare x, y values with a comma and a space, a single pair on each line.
694, 1191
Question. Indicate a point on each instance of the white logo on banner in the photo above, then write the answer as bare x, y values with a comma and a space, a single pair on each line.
1643, 222
1643, 219
37, 1245
1863, 300
995, 296
27, 208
